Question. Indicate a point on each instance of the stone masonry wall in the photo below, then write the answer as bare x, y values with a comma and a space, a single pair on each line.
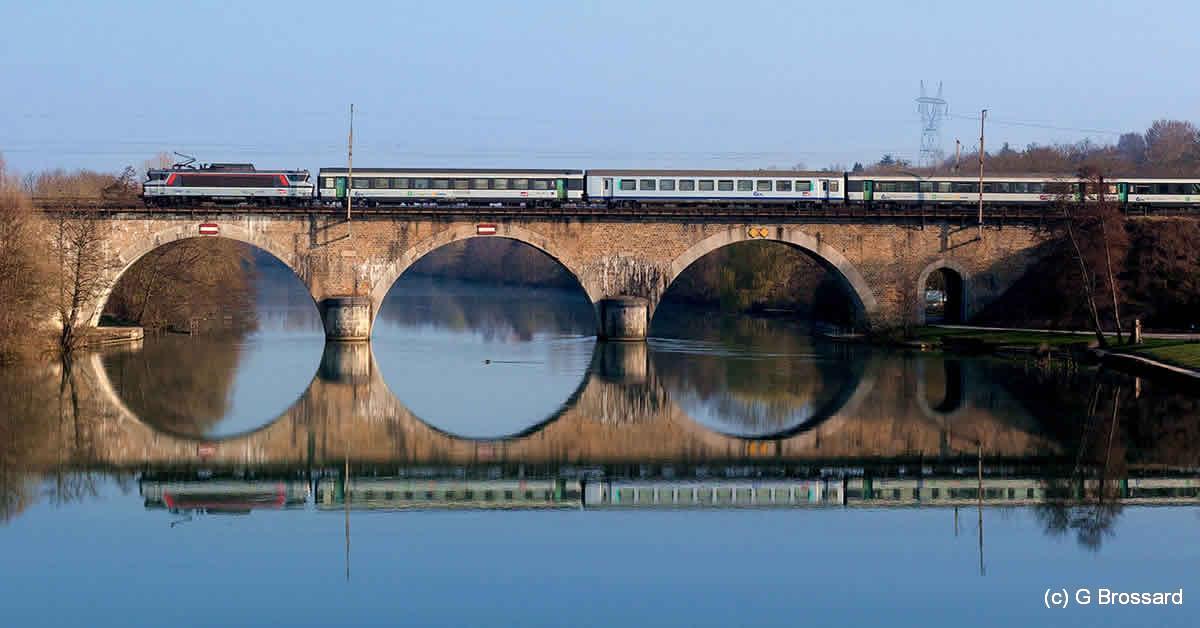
882, 262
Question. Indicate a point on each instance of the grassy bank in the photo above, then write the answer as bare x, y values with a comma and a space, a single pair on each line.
997, 338
1182, 353
1177, 352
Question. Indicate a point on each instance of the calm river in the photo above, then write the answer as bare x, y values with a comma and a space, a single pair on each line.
484, 461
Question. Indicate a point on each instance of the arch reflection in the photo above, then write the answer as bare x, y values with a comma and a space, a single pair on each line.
755, 378
218, 387
483, 362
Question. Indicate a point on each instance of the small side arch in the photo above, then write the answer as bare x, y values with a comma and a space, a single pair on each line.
958, 300
129, 256
826, 255
392, 272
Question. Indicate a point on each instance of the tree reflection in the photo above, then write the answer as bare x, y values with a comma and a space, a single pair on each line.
187, 396
754, 376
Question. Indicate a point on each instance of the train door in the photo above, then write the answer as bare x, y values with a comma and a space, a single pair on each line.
608, 187
868, 191
560, 186
825, 190
1123, 193
340, 185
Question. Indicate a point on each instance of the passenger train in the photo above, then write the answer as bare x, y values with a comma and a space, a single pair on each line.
502, 187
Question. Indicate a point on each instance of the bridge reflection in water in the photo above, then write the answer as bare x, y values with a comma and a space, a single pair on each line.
625, 409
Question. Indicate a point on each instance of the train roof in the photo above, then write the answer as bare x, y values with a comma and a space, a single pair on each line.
340, 170
633, 172
962, 178
225, 170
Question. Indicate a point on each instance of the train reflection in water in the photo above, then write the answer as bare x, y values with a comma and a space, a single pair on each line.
452, 489
223, 496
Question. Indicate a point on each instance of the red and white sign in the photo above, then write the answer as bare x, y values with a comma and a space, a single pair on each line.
206, 450
485, 229
209, 228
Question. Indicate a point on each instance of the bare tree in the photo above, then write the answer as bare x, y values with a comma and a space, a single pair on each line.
1094, 229
84, 266
22, 271
1173, 146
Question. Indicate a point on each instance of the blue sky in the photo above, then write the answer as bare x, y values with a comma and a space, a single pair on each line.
694, 83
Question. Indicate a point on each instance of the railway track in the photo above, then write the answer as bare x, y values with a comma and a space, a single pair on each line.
964, 214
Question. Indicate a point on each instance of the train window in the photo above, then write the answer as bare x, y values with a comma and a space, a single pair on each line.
574, 184
399, 184
461, 184
966, 188
763, 186
649, 184
480, 184
380, 184
298, 178
666, 185
925, 186
706, 185
499, 184
441, 184
520, 184
541, 184
1033, 188
687, 185
1018, 187
805, 186
1141, 189
745, 185
627, 184
420, 184
1001, 187
725, 185
783, 186
362, 184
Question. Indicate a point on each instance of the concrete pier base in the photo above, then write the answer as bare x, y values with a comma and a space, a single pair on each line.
622, 362
346, 318
624, 318
346, 363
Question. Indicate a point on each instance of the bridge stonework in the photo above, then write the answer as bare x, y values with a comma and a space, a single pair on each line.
349, 267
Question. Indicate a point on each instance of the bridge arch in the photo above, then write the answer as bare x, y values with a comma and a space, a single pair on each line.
824, 254
958, 280
130, 255
393, 271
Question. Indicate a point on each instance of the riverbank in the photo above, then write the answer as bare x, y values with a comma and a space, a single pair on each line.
1174, 355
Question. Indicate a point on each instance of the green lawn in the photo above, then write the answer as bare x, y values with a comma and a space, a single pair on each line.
1002, 338
1185, 353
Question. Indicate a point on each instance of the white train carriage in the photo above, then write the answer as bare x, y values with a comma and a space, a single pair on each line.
226, 183
714, 186
1156, 192
918, 190
395, 186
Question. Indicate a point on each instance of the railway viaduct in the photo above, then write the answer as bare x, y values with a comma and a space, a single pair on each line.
623, 261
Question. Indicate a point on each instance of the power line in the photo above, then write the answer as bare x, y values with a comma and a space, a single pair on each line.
1038, 125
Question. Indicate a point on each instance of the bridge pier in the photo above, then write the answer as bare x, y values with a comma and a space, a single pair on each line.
346, 363
623, 318
346, 318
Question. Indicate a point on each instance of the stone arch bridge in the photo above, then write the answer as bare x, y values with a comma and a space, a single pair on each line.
624, 263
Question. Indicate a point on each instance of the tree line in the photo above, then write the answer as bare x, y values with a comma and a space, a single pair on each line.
54, 267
